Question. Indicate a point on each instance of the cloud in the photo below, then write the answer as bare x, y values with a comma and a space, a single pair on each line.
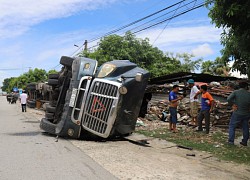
16, 17
194, 39
186, 35
202, 50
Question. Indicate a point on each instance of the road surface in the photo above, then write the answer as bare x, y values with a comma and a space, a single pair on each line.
26, 153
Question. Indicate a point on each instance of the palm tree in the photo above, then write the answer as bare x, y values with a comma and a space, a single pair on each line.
207, 67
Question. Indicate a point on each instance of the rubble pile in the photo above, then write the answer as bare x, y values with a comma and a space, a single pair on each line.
159, 110
220, 91
221, 115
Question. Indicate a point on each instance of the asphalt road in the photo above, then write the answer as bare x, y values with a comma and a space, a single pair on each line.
27, 154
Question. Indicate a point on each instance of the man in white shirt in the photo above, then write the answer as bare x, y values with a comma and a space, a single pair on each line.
193, 102
23, 99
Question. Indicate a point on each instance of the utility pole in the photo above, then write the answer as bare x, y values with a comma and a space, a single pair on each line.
85, 45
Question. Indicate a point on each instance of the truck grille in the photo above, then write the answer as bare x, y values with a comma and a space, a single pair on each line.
100, 109
79, 98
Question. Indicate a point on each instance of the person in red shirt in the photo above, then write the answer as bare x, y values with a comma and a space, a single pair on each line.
207, 106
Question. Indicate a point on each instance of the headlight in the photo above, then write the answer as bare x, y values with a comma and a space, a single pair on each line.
123, 90
87, 66
106, 70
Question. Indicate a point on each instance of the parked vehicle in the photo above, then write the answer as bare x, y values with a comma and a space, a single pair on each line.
104, 102
38, 92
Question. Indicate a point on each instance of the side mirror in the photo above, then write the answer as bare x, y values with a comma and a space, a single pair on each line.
138, 77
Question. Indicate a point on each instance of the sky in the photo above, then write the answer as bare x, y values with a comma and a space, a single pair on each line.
35, 34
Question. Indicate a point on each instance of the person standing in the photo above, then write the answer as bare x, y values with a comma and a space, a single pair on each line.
193, 102
173, 99
240, 101
23, 100
207, 106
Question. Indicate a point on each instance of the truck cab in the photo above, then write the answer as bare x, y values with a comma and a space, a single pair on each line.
103, 101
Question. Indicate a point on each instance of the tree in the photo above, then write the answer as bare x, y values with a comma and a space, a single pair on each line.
53, 71
217, 67
6, 83
141, 52
36, 75
207, 67
128, 47
187, 64
234, 18
221, 68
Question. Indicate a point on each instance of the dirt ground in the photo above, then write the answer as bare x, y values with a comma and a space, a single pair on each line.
162, 160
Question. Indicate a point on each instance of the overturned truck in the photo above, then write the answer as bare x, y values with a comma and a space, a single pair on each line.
102, 101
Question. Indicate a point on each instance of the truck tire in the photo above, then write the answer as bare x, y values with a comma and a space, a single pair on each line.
66, 61
31, 87
53, 103
45, 105
50, 109
55, 95
49, 115
53, 82
31, 104
61, 79
53, 76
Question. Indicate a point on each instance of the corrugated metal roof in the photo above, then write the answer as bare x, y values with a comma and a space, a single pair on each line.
182, 76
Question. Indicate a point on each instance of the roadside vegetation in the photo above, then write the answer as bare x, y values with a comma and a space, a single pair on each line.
32, 76
214, 143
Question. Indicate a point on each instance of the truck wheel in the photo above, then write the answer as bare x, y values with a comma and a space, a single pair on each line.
31, 103
49, 115
53, 103
53, 76
61, 79
66, 61
31, 86
45, 105
50, 109
55, 95
53, 82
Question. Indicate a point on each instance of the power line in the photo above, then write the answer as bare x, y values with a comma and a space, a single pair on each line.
134, 22
114, 27
164, 20
172, 11
183, 12
13, 69
151, 25
169, 21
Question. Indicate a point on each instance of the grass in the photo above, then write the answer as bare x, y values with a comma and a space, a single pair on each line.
215, 143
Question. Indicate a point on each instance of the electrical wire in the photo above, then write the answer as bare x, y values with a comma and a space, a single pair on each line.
169, 22
151, 25
134, 22
13, 69
160, 22
164, 20
92, 40
172, 11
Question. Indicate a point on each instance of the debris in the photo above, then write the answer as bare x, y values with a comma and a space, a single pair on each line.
207, 157
184, 147
190, 154
139, 123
